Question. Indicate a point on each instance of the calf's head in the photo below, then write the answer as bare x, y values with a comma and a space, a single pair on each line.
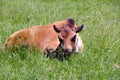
67, 36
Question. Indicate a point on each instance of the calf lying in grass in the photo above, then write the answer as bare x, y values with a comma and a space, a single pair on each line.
48, 38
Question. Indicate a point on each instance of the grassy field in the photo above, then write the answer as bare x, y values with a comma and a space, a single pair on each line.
101, 36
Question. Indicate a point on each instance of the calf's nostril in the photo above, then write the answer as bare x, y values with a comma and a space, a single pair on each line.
66, 50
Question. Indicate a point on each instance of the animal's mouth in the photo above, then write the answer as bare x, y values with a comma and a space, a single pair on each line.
67, 53
59, 53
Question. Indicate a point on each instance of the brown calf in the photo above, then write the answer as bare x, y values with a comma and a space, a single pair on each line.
48, 37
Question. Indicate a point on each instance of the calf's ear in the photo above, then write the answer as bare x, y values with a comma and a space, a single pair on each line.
56, 29
78, 29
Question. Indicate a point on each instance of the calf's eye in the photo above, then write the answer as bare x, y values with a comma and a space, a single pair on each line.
60, 39
73, 38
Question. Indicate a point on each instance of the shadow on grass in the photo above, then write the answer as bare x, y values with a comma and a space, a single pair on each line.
23, 52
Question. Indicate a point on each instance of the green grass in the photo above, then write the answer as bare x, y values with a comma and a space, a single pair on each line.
101, 37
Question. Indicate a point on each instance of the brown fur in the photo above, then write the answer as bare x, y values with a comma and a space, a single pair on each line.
44, 37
